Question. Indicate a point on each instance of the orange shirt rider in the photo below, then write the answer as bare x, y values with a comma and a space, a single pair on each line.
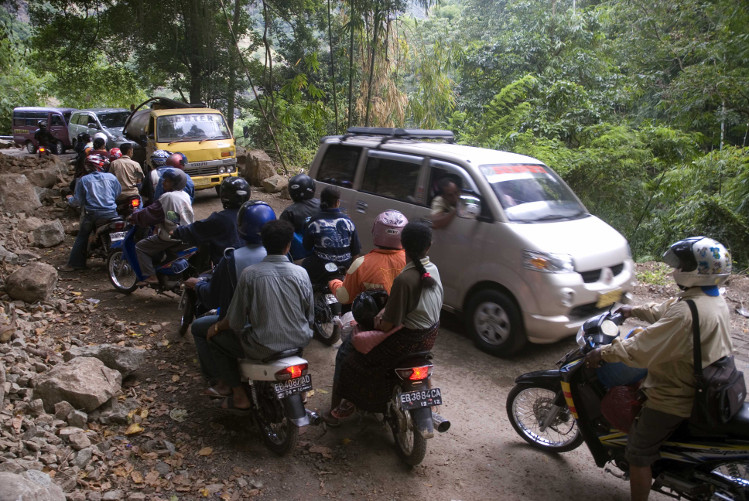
375, 270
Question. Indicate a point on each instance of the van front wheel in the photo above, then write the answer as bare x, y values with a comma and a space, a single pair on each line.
493, 320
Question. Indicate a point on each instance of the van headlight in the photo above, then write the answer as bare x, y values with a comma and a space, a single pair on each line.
221, 170
229, 169
547, 262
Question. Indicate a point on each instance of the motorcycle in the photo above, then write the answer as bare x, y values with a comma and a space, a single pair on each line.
124, 270
276, 386
43, 151
409, 411
107, 232
327, 325
129, 205
558, 410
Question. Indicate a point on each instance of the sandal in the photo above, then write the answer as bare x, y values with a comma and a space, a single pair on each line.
227, 404
214, 393
345, 409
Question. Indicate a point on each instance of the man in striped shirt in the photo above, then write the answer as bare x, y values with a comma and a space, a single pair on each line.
272, 310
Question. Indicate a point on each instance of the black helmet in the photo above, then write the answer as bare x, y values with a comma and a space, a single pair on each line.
366, 306
41, 123
234, 192
251, 218
301, 187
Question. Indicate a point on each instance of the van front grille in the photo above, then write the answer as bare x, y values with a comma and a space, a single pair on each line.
594, 275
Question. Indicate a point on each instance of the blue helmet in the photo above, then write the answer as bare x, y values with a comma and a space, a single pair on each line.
158, 158
251, 218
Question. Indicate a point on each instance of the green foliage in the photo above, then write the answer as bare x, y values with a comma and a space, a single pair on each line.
19, 84
659, 275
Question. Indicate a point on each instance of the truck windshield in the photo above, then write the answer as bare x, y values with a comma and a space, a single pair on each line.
116, 119
191, 127
531, 193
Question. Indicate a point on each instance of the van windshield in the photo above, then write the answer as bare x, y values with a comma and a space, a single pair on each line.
191, 127
114, 120
531, 193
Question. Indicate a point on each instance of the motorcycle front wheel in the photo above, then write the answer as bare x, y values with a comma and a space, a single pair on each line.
121, 274
410, 445
528, 407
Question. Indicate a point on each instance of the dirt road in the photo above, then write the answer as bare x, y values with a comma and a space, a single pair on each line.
222, 457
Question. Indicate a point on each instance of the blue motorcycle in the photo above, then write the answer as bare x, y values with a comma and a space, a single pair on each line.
124, 270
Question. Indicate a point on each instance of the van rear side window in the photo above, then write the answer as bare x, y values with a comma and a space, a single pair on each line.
338, 166
391, 178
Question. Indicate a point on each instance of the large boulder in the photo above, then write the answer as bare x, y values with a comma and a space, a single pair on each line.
17, 194
258, 166
124, 359
275, 183
31, 485
32, 283
85, 382
29, 224
49, 234
45, 178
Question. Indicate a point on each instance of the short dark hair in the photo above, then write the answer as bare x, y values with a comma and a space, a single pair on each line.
445, 181
276, 235
99, 143
126, 148
329, 197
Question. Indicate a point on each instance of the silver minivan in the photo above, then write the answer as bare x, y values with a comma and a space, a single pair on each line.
524, 260
110, 121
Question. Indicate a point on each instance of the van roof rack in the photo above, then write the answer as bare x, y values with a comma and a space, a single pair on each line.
388, 133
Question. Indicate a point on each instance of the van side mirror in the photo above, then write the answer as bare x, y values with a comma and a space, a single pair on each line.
93, 125
469, 206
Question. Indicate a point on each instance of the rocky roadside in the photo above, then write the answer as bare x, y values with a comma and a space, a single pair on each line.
74, 423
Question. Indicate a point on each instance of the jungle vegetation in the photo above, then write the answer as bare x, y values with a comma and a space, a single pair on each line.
642, 107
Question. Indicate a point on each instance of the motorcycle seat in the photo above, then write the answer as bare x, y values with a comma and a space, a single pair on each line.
419, 357
292, 352
106, 220
737, 427
176, 253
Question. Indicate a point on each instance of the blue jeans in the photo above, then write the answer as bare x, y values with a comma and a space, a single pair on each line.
199, 329
78, 253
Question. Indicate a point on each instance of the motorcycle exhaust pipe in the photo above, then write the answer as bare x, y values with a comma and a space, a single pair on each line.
440, 423
314, 418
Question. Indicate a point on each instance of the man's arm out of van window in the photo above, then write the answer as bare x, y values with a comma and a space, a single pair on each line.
442, 220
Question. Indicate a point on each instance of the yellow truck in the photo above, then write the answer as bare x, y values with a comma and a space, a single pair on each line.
200, 133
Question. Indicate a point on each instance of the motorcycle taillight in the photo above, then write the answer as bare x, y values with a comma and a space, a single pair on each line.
119, 225
415, 373
291, 372
135, 203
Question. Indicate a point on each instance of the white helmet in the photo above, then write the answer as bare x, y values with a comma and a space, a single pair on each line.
699, 261
100, 135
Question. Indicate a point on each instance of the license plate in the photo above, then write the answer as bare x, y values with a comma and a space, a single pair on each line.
330, 299
293, 386
117, 236
197, 181
609, 298
421, 398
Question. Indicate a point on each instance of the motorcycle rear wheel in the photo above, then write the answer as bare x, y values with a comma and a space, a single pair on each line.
325, 330
121, 274
281, 437
732, 478
187, 306
528, 405
410, 445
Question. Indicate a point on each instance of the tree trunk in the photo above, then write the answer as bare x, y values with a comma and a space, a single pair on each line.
232, 90
351, 64
332, 70
372, 64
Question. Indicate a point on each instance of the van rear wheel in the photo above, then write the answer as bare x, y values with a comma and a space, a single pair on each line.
494, 322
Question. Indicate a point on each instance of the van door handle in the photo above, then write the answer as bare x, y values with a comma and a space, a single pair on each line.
361, 207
